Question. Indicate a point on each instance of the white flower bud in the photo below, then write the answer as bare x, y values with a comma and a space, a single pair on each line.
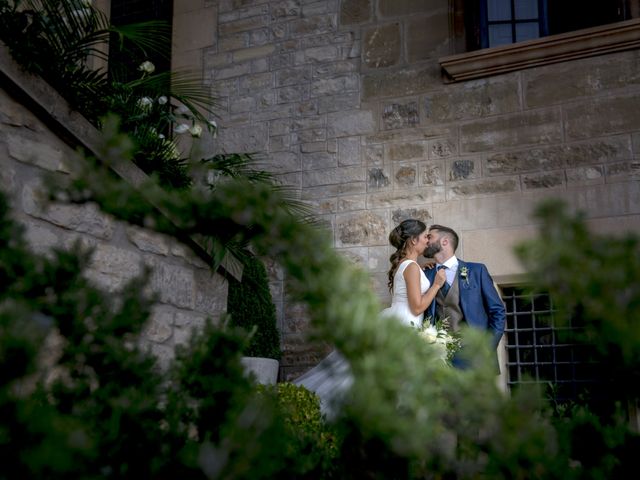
196, 131
182, 128
162, 100
147, 67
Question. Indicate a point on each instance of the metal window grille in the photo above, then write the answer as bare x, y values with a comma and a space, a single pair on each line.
539, 351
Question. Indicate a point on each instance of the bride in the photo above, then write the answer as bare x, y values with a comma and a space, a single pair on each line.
411, 295
411, 292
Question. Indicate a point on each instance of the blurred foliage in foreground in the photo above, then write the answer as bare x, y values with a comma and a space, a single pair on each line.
105, 411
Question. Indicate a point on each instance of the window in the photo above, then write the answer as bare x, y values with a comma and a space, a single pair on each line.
491, 23
124, 12
538, 351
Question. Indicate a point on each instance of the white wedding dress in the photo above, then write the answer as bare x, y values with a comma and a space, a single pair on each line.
331, 379
400, 301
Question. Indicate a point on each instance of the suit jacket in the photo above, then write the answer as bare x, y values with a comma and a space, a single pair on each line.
480, 302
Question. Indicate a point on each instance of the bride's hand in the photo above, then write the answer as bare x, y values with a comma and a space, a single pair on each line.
428, 263
440, 278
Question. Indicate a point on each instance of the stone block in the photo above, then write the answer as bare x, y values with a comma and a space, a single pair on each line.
402, 198
313, 25
432, 173
378, 259
186, 323
246, 10
232, 71
348, 151
379, 178
602, 116
474, 188
85, 218
321, 54
442, 148
252, 84
582, 176
285, 9
36, 152
293, 76
357, 255
405, 175
277, 62
381, 46
250, 138
210, 292
396, 152
411, 135
374, 155
401, 83
428, 37
293, 93
351, 203
396, 115
623, 171
195, 29
260, 37
319, 160
334, 103
313, 147
401, 214
332, 176
41, 239
349, 123
477, 99
335, 85
500, 258
159, 328
323, 206
353, 12
174, 284
148, 241
362, 228
283, 162
112, 267
231, 42
554, 179
463, 169
604, 150
243, 24
252, 53
583, 78
311, 135
394, 8
510, 131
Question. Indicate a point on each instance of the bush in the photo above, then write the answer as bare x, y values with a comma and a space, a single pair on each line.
313, 445
251, 307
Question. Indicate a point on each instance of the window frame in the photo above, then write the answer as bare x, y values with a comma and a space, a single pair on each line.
604, 39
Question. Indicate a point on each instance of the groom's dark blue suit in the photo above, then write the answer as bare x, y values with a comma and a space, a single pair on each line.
479, 301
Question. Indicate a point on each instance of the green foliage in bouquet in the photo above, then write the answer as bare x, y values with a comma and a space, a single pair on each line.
251, 307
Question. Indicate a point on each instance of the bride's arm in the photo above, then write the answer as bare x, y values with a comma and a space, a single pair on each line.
418, 303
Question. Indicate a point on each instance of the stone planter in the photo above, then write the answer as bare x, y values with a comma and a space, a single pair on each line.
265, 370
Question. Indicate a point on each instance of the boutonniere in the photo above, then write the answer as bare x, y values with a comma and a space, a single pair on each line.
464, 275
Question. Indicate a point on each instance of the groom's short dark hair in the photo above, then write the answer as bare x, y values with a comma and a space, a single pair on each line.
447, 231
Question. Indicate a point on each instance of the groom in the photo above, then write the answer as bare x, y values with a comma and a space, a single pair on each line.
469, 296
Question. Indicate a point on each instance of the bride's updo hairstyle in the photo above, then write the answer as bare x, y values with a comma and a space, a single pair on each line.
399, 238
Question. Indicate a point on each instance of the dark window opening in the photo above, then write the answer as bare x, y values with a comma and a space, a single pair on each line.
491, 23
541, 352
125, 12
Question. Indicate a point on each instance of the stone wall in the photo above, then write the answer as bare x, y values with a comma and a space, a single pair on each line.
188, 291
346, 100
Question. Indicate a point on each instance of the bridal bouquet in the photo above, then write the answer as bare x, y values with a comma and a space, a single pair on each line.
440, 335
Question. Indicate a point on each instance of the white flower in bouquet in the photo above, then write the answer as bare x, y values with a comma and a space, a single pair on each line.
446, 342
196, 131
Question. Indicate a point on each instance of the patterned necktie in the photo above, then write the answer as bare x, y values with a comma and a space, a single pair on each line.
445, 288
